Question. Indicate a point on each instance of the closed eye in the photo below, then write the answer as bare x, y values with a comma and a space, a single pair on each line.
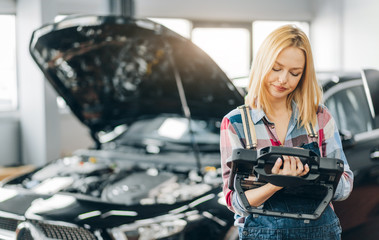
295, 74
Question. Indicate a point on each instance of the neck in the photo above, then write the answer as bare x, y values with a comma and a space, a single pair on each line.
280, 116
279, 107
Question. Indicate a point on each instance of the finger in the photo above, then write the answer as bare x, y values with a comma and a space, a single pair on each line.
300, 166
278, 163
306, 170
293, 163
287, 163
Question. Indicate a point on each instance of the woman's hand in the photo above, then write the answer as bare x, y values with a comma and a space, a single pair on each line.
292, 166
288, 165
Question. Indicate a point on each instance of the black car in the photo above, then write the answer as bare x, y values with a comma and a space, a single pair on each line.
153, 103
353, 100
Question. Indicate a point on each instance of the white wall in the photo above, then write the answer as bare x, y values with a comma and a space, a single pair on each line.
345, 34
326, 34
100, 7
8, 6
38, 111
10, 141
361, 34
74, 135
226, 10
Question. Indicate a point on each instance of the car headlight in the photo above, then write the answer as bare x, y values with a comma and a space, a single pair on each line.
154, 228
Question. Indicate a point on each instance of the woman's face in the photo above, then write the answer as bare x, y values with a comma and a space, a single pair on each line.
285, 74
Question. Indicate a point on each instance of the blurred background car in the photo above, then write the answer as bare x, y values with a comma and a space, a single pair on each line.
352, 98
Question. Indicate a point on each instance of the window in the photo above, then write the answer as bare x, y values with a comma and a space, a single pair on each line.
229, 48
350, 109
8, 79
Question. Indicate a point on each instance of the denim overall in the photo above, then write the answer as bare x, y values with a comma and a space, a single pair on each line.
269, 227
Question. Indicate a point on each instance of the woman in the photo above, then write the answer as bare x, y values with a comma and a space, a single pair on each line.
284, 105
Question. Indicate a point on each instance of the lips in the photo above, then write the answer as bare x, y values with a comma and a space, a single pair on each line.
280, 89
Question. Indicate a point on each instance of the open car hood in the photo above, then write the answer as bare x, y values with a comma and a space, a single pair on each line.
112, 70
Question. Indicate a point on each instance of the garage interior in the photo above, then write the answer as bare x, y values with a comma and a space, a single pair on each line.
36, 125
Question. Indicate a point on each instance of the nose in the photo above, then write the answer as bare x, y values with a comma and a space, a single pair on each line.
283, 77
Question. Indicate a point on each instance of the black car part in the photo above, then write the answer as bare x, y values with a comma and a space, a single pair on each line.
252, 168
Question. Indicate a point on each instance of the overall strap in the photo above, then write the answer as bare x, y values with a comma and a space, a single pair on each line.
311, 133
248, 127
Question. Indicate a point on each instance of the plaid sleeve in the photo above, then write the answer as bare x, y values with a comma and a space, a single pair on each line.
228, 141
333, 149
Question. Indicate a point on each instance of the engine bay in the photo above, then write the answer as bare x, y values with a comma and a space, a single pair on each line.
120, 182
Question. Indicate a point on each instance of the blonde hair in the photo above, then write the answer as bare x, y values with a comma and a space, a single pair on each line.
307, 94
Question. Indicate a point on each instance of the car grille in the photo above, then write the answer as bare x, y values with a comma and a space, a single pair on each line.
25, 235
49, 230
8, 224
64, 232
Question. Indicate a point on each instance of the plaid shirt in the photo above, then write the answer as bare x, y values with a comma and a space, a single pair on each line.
232, 136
